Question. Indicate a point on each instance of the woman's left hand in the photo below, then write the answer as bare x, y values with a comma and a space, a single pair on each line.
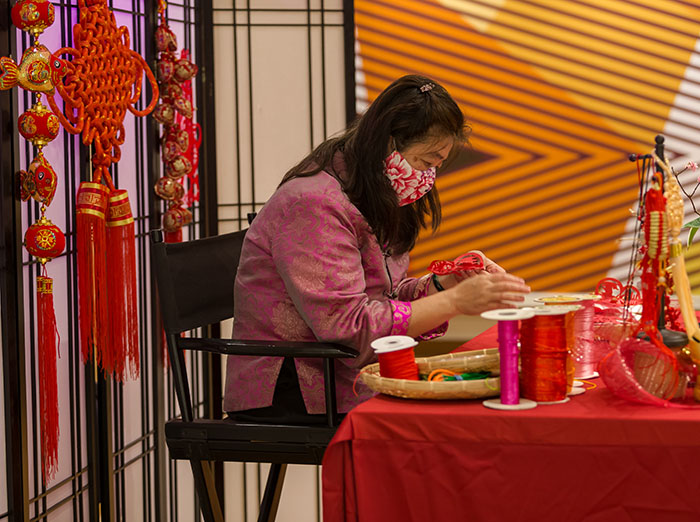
490, 266
450, 280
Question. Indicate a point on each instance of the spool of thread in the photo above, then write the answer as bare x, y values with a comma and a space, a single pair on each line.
508, 333
544, 354
397, 359
586, 352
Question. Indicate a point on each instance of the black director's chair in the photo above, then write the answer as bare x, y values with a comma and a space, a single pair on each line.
195, 289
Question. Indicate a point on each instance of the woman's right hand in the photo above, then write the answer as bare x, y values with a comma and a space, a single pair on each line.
488, 291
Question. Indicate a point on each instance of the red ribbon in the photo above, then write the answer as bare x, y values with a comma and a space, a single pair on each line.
463, 263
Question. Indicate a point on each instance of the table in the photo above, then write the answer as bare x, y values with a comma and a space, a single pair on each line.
596, 458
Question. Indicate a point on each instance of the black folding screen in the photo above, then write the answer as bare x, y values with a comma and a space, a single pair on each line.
113, 464
112, 460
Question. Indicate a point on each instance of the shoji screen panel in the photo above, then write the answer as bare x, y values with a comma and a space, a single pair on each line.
280, 85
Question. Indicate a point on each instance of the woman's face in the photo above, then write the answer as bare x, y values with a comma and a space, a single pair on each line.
428, 153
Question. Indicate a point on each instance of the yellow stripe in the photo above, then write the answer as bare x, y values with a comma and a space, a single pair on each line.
121, 222
119, 197
83, 210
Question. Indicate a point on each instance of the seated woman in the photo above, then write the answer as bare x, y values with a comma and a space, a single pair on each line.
326, 257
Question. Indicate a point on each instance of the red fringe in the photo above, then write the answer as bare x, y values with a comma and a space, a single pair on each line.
92, 279
48, 340
121, 288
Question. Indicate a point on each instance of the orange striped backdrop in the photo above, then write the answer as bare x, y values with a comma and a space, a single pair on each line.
558, 94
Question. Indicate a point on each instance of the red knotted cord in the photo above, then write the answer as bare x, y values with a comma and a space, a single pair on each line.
463, 263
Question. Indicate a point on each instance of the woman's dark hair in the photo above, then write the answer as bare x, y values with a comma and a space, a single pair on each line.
411, 109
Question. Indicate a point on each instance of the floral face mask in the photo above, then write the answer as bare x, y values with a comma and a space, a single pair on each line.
410, 184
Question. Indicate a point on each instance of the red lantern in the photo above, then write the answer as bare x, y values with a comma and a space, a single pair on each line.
38, 125
40, 182
44, 240
33, 16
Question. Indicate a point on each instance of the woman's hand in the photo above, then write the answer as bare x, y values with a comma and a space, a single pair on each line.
450, 280
487, 291
490, 266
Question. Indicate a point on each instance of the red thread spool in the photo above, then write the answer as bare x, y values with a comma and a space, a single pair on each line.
544, 354
397, 359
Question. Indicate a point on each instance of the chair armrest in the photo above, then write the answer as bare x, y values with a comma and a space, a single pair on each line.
268, 348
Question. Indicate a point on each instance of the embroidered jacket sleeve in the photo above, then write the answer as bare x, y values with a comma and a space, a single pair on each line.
410, 289
317, 252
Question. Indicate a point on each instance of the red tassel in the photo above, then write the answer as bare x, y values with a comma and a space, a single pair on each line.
92, 282
121, 287
48, 385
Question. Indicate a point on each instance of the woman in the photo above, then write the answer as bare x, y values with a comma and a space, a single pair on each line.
326, 257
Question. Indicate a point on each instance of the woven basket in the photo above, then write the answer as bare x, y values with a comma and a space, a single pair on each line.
474, 361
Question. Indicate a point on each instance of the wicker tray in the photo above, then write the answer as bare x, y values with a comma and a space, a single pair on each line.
475, 361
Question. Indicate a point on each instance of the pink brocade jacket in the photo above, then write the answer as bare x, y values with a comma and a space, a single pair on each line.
311, 269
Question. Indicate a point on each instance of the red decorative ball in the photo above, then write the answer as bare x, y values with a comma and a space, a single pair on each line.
164, 114
185, 70
38, 125
165, 68
168, 188
33, 16
165, 39
44, 240
178, 167
40, 182
176, 218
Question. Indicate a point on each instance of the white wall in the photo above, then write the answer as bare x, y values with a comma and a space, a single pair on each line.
280, 118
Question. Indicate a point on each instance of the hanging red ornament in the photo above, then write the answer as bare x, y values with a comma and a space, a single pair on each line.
165, 39
33, 16
169, 189
38, 71
175, 218
91, 234
121, 287
39, 182
178, 168
38, 125
45, 241
164, 114
185, 70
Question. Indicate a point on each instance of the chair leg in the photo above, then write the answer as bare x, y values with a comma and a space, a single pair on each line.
206, 491
273, 492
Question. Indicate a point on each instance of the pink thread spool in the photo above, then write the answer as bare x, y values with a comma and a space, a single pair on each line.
586, 352
508, 331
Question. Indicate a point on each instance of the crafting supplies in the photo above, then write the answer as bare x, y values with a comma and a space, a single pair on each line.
396, 356
544, 355
508, 331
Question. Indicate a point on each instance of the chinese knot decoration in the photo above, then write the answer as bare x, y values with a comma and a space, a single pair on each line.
181, 135
39, 71
464, 263
103, 83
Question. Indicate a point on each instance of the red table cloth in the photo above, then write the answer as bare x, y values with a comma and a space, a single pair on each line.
595, 459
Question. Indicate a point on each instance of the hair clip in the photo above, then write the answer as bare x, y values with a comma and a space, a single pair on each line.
426, 87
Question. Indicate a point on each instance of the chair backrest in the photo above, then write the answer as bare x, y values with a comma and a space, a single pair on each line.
195, 279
